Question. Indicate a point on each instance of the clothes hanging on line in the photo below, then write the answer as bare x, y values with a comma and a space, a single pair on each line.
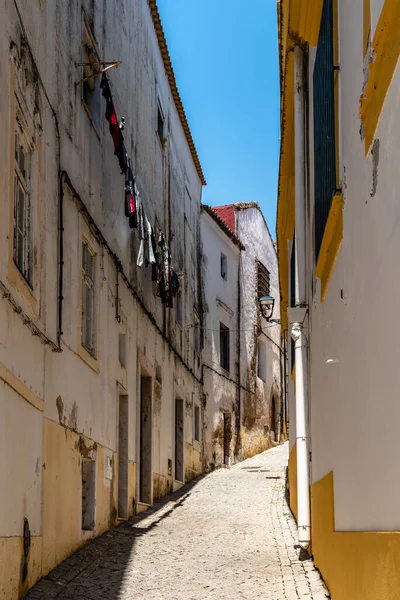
115, 129
146, 253
130, 200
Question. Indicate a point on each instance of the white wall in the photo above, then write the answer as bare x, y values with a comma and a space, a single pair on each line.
354, 399
221, 302
253, 232
89, 397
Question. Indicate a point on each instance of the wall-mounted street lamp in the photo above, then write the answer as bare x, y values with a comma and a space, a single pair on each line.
267, 304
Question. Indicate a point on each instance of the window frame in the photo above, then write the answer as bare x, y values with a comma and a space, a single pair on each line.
21, 181
263, 280
88, 282
224, 347
91, 358
224, 263
21, 122
196, 423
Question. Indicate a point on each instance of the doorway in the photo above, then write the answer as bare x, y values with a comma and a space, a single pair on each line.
227, 438
179, 439
145, 440
123, 437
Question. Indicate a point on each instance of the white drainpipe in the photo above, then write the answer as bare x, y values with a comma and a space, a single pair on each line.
297, 316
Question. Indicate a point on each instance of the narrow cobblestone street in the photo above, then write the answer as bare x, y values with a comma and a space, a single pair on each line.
229, 535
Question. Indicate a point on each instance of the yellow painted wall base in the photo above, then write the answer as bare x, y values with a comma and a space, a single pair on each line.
11, 561
292, 478
193, 462
354, 565
63, 451
253, 441
161, 486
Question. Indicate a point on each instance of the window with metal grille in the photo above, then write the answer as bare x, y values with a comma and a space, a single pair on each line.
22, 252
263, 280
88, 300
224, 343
324, 124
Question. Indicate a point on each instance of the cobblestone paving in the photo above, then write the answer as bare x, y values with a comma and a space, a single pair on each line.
230, 535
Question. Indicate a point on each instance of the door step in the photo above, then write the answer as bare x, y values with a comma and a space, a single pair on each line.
141, 507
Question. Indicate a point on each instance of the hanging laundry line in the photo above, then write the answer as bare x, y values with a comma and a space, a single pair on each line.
153, 249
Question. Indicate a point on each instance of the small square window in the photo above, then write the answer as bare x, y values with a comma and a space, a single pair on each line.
224, 267
160, 124
224, 347
196, 423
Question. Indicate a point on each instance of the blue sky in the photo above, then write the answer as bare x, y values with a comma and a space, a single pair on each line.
225, 58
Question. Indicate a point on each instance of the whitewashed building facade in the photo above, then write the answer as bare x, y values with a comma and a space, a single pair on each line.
338, 246
244, 412
100, 380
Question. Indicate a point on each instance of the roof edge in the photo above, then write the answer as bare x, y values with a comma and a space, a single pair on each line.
162, 43
221, 223
251, 204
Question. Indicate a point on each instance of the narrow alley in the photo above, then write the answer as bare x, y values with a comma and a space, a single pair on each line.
228, 535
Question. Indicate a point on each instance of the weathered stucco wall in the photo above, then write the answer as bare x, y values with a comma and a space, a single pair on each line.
262, 400
221, 306
61, 407
252, 403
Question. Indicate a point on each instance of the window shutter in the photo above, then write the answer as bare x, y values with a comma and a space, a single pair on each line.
324, 124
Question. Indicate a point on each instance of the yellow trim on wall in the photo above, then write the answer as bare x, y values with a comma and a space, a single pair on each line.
354, 565
292, 480
299, 22
11, 558
330, 243
22, 390
385, 55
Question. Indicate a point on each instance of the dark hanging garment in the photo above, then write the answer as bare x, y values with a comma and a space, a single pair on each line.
130, 204
115, 130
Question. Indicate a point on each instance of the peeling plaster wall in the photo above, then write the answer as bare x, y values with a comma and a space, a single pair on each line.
256, 405
221, 302
259, 411
59, 399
